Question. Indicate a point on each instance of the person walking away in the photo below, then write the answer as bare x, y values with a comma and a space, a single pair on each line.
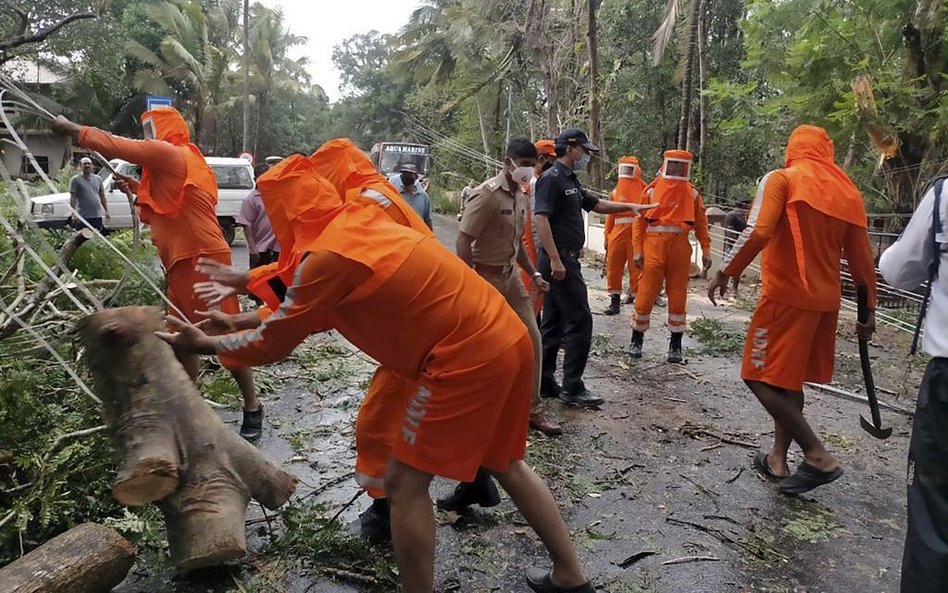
406, 301
558, 215
490, 240
177, 196
406, 182
920, 255
735, 221
663, 250
465, 193
262, 247
804, 217
546, 156
619, 251
87, 197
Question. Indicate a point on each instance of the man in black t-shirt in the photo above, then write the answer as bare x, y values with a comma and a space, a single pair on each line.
558, 217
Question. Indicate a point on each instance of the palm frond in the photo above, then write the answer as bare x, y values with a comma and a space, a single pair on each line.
663, 34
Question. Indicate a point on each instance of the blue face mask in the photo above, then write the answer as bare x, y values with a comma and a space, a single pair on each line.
583, 162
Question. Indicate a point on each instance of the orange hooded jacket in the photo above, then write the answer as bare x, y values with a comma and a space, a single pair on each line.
396, 294
679, 203
177, 194
629, 190
806, 215
348, 169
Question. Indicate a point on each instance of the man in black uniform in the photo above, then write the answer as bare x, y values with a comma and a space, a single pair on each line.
558, 216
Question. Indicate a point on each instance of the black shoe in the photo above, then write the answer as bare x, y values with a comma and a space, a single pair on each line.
613, 308
635, 347
252, 426
674, 349
482, 492
581, 399
374, 523
539, 580
551, 390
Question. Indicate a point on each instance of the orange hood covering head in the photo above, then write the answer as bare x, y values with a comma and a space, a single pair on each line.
343, 164
817, 181
631, 186
547, 147
166, 123
673, 192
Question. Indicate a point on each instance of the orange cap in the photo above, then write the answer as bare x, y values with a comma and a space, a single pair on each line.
546, 147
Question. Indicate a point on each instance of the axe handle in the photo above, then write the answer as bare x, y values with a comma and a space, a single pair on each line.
862, 314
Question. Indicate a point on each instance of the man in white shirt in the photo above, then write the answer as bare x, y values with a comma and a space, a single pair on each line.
914, 258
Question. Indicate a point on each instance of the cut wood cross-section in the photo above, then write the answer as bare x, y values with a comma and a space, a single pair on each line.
172, 448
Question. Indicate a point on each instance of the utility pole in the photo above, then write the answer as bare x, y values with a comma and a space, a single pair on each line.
245, 141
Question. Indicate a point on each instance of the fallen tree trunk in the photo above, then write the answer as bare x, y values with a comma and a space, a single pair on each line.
171, 446
89, 558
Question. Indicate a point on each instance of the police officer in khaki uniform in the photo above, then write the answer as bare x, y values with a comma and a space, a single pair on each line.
490, 241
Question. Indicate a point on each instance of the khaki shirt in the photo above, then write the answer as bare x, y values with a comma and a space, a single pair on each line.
495, 216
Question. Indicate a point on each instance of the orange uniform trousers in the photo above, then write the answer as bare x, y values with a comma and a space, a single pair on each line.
668, 258
618, 258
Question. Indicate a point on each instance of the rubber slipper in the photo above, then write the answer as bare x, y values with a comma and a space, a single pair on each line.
807, 478
539, 581
761, 465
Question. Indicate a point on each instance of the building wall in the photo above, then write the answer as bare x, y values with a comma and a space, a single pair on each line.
54, 148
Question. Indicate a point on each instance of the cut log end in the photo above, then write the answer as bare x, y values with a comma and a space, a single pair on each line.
139, 490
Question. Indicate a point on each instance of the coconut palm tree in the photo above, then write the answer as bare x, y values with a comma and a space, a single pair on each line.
661, 39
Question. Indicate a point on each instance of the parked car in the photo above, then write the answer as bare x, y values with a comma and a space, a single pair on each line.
234, 181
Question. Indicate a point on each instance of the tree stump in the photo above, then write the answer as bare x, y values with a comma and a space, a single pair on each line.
172, 447
89, 558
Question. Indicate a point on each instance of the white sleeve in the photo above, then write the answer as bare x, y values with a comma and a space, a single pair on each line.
905, 264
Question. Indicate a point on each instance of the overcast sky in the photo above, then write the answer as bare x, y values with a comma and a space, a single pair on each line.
326, 23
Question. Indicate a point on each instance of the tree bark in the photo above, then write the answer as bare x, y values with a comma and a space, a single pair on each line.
89, 558
687, 83
595, 112
171, 446
535, 18
245, 138
702, 85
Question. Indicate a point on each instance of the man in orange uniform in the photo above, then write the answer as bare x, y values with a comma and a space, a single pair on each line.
350, 171
619, 251
805, 215
406, 301
177, 196
663, 250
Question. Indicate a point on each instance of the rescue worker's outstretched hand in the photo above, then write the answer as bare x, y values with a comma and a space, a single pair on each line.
213, 293
638, 261
223, 273
64, 127
638, 209
718, 285
186, 337
865, 330
216, 323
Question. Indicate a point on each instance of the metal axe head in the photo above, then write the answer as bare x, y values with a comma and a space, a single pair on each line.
876, 431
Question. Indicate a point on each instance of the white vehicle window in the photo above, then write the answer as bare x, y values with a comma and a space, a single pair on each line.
233, 176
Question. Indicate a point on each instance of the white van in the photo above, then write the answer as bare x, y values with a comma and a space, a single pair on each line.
234, 181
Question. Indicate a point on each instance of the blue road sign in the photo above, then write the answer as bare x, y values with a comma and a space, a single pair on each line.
152, 101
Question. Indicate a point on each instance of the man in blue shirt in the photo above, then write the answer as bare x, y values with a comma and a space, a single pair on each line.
406, 182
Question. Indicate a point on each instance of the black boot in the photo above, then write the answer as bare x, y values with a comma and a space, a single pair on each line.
674, 349
635, 347
252, 426
374, 523
613, 308
481, 491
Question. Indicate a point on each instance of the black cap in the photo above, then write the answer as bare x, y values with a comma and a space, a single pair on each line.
575, 137
408, 168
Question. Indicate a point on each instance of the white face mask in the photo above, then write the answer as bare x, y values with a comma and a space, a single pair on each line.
522, 175
583, 162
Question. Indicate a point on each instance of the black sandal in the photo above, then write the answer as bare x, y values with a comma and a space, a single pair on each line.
762, 467
807, 478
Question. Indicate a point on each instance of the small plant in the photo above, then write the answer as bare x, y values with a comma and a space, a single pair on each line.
716, 339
